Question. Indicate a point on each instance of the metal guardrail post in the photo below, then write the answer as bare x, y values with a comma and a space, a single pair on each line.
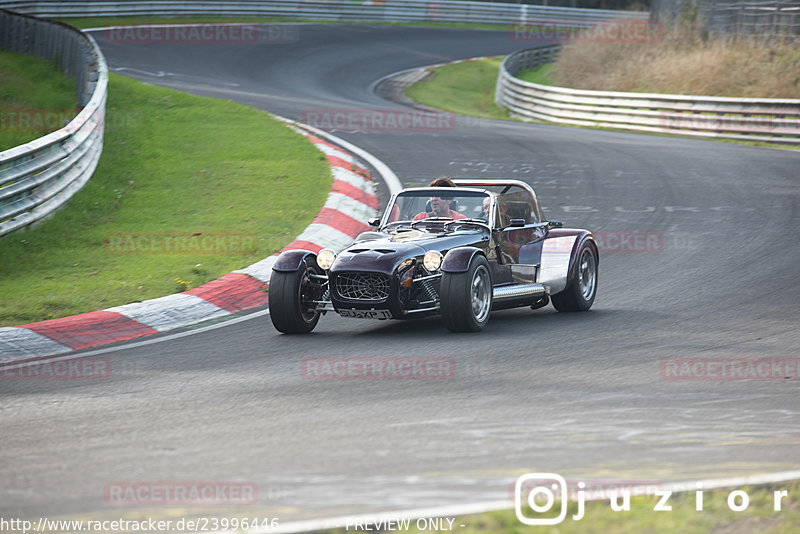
771, 120
39, 177
388, 10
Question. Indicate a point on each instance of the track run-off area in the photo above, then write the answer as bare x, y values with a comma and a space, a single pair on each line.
699, 266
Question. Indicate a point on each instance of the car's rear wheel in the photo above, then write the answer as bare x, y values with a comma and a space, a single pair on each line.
466, 298
582, 286
291, 296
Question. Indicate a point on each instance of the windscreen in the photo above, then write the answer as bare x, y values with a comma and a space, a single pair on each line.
448, 202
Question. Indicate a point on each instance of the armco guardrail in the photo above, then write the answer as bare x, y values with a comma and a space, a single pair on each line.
375, 11
750, 119
37, 178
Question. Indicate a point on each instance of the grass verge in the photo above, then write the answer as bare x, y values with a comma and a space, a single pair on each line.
540, 75
35, 99
685, 61
475, 97
716, 516
466, 88
175, 168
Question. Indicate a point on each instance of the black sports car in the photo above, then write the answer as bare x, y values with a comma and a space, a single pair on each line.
456, 251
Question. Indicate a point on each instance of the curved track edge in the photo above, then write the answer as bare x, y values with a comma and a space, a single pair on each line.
351, 201
463, 509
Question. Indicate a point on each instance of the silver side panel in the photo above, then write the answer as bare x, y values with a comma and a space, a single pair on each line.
555, 263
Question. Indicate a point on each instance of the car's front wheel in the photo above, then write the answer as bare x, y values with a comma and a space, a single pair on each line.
291, 296
466, 298
582, 287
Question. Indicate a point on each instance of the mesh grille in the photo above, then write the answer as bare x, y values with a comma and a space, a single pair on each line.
362, 286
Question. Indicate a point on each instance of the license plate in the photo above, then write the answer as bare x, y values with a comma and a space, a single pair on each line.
366, 314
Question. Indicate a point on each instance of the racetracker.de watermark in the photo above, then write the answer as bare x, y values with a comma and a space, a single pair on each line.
181, 243
730, 369
178, 493
745, 122
230, 33
617, 242
568, 30
89, 368
592, 490
629, 242
378, 120
379, 368
35, 119
46, 120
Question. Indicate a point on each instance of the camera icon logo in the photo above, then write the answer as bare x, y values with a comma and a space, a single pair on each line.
546, 485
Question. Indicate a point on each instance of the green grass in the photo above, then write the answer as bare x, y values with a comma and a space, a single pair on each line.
99, 22
600, 518
173, 164
466, 88
35, 98
540, 75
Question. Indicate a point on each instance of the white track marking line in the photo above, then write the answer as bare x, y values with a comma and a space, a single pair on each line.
389, 177
391, 180
490, 506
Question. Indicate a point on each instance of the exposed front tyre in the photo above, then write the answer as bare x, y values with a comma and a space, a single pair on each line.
466, 298
291, 296
582, 285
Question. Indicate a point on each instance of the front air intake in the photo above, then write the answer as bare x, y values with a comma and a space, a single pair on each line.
371, 287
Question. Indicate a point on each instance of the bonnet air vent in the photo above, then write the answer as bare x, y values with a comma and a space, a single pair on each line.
378, 250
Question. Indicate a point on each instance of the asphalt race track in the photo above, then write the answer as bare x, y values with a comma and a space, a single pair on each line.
585, 395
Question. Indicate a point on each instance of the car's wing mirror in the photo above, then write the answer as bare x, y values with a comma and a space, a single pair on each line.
374, 221
549, 225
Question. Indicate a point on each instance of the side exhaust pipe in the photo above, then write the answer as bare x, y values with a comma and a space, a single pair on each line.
514, 295
529, 291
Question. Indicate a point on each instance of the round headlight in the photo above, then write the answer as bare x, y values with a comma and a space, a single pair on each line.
325, 258
432, 260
